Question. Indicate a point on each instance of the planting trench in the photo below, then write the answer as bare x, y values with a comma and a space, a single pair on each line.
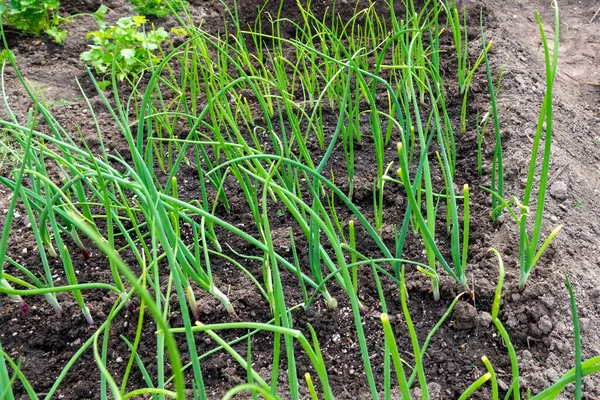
538, 318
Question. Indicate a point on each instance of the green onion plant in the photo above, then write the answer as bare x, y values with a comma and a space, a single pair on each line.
531, 246
575, 375
497, 178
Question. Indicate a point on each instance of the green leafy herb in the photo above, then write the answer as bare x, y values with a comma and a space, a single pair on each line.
30, 16
124, 46
159, 8
41, 16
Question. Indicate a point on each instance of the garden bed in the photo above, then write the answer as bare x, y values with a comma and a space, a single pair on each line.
537, 317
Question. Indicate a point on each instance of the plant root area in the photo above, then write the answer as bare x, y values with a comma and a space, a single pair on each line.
538, 317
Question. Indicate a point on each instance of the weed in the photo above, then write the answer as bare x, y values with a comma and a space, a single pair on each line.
10, 154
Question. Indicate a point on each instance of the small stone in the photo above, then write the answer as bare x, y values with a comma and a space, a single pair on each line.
534, 331
554, 218
561, 328
119, 359
512, 322
545, 324
586, 325
526, 355
548, 301
558, 346
502, 385
24, 251
558, 190
485, 319
435, 391
464, 315
516, 297
552, 375
520, 80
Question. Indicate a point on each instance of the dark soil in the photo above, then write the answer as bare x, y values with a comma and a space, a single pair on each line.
538, 318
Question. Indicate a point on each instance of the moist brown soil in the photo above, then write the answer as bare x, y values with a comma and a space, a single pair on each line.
537, 318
